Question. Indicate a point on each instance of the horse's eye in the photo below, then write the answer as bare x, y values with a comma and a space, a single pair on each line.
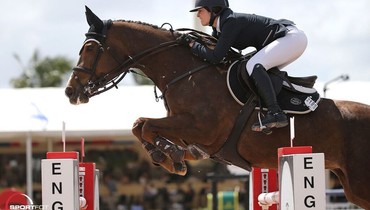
89, 47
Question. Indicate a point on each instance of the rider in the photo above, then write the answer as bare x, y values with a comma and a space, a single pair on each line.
278, 43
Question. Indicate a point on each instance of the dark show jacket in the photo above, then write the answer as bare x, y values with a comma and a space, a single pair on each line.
240, 30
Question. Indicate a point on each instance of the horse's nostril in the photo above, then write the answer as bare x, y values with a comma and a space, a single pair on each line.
69, 91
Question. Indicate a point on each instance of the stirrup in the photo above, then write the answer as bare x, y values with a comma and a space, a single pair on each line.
262, 128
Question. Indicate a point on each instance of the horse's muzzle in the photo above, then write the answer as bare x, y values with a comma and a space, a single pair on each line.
75, 97
69, 92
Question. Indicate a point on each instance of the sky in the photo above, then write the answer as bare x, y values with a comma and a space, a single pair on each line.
338, 30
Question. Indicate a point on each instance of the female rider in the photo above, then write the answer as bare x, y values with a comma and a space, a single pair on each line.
278, 43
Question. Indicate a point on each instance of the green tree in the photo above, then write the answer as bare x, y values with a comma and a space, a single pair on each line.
42, 72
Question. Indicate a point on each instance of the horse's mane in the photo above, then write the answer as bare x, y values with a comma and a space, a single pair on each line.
141, 23
197, 35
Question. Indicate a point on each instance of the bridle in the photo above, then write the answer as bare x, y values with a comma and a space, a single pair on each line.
97, 84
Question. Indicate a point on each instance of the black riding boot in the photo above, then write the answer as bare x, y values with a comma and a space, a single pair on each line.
275, 117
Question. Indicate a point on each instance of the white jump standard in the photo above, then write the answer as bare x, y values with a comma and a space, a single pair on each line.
301, 181
59, 175
68, 184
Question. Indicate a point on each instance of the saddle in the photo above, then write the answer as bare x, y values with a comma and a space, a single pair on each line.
295, 95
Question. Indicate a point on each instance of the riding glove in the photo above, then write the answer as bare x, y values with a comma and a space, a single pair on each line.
184, 39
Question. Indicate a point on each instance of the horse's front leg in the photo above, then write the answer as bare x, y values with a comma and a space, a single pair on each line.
164, 153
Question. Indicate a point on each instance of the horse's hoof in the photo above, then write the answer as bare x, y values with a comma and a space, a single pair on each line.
177, 155
180, 168
155, 164
158, 156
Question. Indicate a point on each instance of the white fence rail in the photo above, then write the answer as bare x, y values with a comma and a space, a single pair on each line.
331, 194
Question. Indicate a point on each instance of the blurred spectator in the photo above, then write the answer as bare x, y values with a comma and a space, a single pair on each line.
177, 197
163, 199
149, 196
189, 197
111, 185
137, 204
11, 174
122, 203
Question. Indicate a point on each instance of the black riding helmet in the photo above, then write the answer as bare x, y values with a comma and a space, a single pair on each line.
214, 6
210, 4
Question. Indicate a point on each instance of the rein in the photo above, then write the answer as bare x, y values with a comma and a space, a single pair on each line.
186, 74
99, 84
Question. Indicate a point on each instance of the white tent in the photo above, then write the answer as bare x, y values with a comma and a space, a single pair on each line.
42, 111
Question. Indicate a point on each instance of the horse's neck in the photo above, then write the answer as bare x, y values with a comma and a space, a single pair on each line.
167, 66
163, 66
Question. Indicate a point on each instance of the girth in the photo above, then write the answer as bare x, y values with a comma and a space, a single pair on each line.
228, 153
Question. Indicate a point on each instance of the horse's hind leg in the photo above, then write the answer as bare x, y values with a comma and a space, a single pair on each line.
356, 167
355, 187
359, 183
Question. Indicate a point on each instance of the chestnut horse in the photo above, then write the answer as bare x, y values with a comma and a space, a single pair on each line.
202, 112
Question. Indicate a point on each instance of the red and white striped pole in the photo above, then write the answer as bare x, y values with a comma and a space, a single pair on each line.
262, 181
88, 183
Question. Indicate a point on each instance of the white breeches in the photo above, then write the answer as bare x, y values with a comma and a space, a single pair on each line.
280, 52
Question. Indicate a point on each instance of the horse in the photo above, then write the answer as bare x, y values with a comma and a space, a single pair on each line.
201, 112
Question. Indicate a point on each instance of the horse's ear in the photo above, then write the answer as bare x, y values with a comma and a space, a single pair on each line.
92, 19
